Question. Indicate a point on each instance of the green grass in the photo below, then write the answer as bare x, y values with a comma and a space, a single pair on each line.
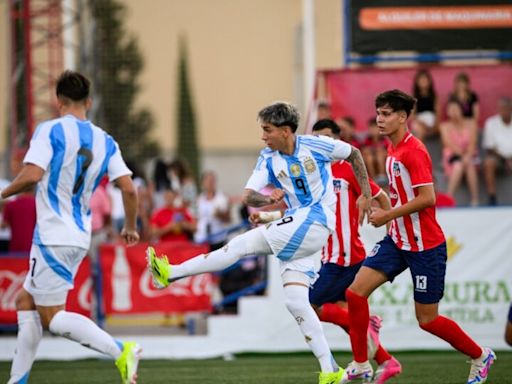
419, 368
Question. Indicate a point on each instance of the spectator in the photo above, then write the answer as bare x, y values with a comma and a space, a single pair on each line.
5, 232
459, 137
497, 142
425, 119
183, 182
145, 202
213, 213
161, 182
323, 110
19, 214
347, 131
466, 97
101, 219
171, 223
374, 153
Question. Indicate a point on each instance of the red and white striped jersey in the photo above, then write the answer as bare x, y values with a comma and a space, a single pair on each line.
409, 166
344, 247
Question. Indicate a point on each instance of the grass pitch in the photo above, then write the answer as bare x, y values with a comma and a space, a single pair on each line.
418, 368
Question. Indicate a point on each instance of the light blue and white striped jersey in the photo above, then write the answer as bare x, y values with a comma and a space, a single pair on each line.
305, 176
75, 155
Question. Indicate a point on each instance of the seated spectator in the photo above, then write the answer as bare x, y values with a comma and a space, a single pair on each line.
347, 126
374, 151
425, 119
212, 213
182, 181
497, 142
173, 222
460, 156
466, 97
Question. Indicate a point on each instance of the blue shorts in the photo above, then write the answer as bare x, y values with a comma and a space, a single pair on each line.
428, 268
510, 314
332, 283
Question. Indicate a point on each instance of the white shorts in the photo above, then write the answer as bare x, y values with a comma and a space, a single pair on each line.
427, 117
295, 236
52, 271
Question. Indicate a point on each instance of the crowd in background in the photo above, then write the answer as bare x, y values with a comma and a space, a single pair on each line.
468, 151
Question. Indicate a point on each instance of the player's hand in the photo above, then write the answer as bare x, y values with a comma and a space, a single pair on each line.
378, 217
276, 196
254, 218
364, 205
130, 237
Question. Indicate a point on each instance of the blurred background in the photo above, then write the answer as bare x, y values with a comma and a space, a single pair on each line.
179, 83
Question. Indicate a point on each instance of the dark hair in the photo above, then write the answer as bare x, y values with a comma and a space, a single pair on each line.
160, 177
397, 100
349, 119
326, 123
280, 114
372, 121
416, 89
73, 86
462, 76
181, 167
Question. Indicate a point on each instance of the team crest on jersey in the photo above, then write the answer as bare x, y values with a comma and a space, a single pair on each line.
295, 170
396, 169
337, 185
374, 250
309, 165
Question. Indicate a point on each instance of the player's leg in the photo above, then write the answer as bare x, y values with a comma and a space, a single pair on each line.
428, 269
383, 264
249, 243
30, 333
54, 274
490, 167
508, 327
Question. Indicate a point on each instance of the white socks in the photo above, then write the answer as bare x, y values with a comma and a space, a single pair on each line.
297, 302
248, 243
30, 333
84, 331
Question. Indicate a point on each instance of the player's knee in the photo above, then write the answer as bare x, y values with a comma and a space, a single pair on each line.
24, 301
47, 314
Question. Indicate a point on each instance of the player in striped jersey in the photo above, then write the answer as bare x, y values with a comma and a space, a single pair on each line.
67, 158
343, 256
299, 167
415, 241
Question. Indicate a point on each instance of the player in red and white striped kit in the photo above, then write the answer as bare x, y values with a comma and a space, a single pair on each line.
344, 254
415, 241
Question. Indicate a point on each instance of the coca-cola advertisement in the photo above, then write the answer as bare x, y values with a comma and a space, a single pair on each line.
127, 286
12, 275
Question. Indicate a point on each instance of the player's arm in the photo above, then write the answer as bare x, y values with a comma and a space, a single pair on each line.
383, 202
364, 201
255, 199
425, 198
28, 177
129, 193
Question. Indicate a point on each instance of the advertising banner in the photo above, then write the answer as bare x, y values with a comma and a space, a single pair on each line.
127, 286
429, 26
12, 275
352, 92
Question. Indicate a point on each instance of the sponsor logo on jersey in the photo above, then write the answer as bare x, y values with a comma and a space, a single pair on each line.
281, 174
309, 165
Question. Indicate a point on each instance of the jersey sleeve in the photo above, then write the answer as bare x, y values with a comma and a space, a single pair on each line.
374, 188
260, 177
40, 151
419, 165
116, 165
329, 148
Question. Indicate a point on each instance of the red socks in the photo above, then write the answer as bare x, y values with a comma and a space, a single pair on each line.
450, 331
333, 313
359, 318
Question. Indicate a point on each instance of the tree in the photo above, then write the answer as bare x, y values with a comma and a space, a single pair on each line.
186, 121
118, 65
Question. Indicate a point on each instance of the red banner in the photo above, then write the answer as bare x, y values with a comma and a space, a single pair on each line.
12, 276
353, 92
127, 286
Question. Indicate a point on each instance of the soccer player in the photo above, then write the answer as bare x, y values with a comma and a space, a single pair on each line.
343, 256
508, 327
415, 241
67, 159
299, 167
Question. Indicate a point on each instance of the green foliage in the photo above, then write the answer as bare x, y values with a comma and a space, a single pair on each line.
186, 120
119, 64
